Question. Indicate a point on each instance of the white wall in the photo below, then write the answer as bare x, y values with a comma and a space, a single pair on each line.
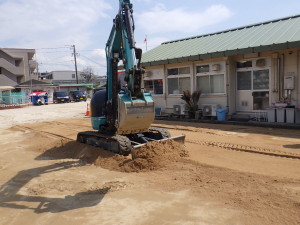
166, 101
64, 75
291, 66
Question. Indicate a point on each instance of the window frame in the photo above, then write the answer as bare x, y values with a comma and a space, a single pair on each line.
178, 76
252, 70
211, 73
198, 65
153, 91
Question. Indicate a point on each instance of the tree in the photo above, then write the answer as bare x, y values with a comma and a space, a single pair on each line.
88, 75
191, 101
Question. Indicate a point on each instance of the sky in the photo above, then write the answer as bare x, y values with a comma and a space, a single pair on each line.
53, 26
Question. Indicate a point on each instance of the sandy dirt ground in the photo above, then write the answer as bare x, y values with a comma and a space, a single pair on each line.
226, 174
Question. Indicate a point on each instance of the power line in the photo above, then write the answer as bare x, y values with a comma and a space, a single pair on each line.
51, 48
91, 60
41, 52
90, 50
60, 64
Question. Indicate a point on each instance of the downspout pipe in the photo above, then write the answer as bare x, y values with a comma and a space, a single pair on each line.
281, 80
298, 78
165, 86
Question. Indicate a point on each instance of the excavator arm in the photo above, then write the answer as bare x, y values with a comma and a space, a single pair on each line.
121, 47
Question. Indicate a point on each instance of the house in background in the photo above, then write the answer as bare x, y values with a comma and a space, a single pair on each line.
65, 81
246, 69
61, 77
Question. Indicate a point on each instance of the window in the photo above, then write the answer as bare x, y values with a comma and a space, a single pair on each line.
173, 86
18, 62
73, 75
179, 80
203, 84
260, 79
217, 83
211, 84
178, 85
244, 64
184, 70
179, 71
154, 86
202, 69
244, 80
173, 71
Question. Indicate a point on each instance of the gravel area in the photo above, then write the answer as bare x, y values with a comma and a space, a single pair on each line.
11, 117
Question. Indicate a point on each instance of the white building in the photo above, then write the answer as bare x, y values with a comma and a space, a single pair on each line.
246, 70
16, 66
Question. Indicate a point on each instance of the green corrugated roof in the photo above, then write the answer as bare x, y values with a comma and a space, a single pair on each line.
74, 85
34, 82
270, 35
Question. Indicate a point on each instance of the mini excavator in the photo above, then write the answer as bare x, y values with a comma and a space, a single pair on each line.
122, 114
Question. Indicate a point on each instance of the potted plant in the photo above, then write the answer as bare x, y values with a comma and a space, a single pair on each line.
191, 101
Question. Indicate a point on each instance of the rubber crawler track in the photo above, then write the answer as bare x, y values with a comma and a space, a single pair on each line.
123, 142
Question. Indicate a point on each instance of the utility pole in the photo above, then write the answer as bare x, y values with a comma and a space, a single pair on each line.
74, 54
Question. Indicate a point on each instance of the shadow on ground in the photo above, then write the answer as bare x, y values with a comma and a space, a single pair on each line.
295, 146
75, 150
10, 197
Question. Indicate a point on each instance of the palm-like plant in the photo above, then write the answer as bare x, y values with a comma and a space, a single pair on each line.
191, 99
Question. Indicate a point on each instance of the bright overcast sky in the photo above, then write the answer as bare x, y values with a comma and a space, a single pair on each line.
51, 26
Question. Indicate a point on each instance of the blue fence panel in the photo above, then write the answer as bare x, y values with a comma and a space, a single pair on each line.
14, 98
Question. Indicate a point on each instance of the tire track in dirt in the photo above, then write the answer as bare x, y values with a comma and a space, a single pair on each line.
60, 123
24, 128
231, 146
245, 148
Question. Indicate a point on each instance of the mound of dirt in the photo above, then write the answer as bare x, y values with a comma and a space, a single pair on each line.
152, 156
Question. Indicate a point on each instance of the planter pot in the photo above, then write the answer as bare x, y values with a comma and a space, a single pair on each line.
191, 114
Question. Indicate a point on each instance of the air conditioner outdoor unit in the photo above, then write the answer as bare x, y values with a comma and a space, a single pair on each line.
148, 74
178, 109
210, 109
215, 67
261, 62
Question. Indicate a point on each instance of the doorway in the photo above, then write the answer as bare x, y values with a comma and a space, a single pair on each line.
252, 89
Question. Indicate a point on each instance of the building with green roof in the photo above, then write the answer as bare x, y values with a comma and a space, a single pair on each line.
246, 69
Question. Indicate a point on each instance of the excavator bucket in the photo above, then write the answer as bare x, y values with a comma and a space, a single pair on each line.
180, 139
135, 115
